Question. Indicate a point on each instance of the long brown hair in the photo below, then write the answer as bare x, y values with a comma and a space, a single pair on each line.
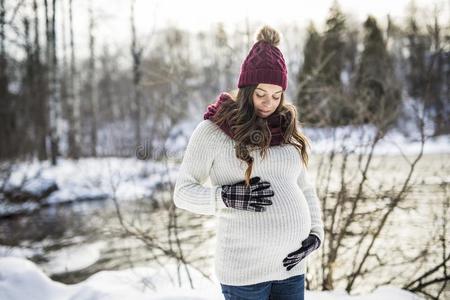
252, 132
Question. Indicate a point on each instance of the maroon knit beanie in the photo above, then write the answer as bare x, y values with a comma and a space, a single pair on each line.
265, 62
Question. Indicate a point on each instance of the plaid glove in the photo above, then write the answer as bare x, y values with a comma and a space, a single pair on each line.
252, 198
311, 243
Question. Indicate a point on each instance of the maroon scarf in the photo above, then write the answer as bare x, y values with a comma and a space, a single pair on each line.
277, 123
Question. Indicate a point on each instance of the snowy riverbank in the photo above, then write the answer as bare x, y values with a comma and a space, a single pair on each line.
137, 284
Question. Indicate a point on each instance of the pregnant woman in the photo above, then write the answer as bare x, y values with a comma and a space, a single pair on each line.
268, 213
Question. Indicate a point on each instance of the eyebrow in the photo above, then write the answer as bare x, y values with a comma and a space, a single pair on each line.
266, 91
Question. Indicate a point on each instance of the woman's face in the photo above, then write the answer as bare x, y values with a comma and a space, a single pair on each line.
266, 99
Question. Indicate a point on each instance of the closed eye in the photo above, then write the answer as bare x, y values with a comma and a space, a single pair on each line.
275, 98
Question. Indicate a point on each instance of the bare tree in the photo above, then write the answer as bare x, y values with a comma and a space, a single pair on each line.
168, 233
3, 74
438, 273
6, 108
54, 84
73, 101
91, 87
40, 101
136, 54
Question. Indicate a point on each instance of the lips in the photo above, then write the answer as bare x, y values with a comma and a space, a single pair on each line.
264, 111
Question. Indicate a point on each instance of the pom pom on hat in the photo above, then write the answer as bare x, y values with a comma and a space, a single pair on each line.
268, 35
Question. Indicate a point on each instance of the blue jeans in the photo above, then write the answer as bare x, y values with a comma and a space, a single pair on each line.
292, 288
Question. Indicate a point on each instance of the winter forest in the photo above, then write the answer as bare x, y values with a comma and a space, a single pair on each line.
97, 105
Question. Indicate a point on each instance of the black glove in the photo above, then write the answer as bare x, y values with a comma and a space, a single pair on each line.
243, 197
311, 243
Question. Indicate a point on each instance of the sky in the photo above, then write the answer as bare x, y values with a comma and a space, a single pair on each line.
198, 14
113, 16
195, 15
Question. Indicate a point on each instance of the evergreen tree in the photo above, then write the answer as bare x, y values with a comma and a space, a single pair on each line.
308, 93
320, 97
437, 92
375, 82
350, 53
427, 65
333, 47
336, 109
418, 43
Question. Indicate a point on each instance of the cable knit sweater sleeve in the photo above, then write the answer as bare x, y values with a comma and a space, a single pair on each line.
189, 191
309, 191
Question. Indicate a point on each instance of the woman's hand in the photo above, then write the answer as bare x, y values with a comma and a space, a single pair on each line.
252, 198
311, 243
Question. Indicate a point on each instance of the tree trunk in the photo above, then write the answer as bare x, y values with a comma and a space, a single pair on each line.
55, 97
91, 84
136, 53
39, 91
73, 101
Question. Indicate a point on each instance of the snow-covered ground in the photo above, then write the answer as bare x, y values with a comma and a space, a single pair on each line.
21, 279
394, 143
85, 179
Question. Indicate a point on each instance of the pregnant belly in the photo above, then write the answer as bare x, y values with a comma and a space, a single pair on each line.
282, 226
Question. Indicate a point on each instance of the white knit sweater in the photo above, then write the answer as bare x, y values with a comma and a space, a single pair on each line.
250, 245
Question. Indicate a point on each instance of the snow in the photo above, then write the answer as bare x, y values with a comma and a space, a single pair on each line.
17, 251
7, 208
102, 174
179, 136
86, 179
324, 140
73, 258
38, 187
138, 283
